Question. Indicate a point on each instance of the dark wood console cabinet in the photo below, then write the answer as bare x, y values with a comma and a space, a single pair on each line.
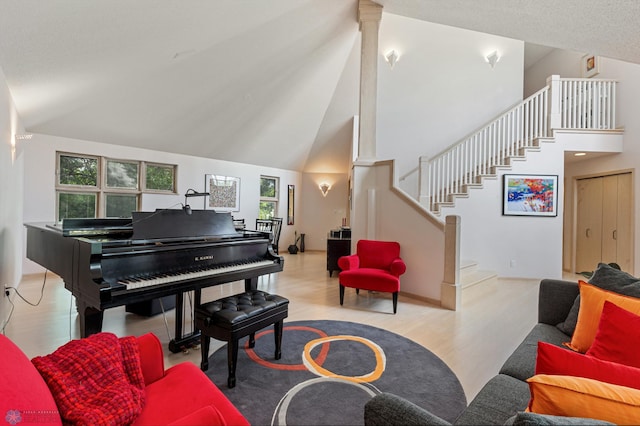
336, 247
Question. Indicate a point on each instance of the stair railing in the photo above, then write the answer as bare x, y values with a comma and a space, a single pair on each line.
562, 104
587, 104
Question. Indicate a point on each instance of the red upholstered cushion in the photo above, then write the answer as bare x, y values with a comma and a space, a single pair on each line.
554, 360
397, 267
89, 383
377, 254
618, 336
24, 396
370, 279
151, 357
349, 262
204, 416
183, 390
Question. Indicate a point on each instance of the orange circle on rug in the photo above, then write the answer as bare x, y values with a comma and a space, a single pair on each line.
322, 356
310, 363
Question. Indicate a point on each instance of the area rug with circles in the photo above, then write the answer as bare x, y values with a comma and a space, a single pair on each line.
329, 370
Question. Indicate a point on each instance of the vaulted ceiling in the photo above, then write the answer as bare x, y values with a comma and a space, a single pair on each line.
270, 83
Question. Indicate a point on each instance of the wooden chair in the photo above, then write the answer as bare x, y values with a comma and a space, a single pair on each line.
239, 224
277, 227
264, 225
273, 226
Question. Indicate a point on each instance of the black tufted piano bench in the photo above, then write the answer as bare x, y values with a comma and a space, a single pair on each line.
234, 317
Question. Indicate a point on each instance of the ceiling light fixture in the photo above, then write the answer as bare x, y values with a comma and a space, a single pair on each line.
392, 57
324, 188
580, 154
492, 58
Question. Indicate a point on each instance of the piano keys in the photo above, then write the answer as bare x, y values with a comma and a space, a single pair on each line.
106, 263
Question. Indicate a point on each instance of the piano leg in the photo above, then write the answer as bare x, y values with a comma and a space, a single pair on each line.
251, 284
90, 319
182, 342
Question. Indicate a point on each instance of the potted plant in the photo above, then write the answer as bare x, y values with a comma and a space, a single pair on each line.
293, 248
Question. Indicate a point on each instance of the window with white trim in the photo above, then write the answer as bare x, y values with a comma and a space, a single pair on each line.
92, 186
268, 197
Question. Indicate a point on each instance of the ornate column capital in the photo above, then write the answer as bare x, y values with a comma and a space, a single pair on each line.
369, 11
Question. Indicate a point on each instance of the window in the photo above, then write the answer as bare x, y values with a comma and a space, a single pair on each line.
268, 197
82, 171
76, 204
160, 177
122, 174
90, 186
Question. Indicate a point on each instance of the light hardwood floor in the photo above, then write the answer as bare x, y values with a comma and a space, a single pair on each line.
474, 341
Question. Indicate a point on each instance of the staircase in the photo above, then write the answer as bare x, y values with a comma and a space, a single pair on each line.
564, 104
471, 275
576, 104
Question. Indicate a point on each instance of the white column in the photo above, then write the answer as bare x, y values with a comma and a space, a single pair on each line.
369, 16
450, 288
554, 102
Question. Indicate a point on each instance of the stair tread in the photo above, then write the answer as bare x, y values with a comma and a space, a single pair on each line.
477, 277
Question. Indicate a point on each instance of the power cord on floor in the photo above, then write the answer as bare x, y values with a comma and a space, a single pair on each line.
8, 289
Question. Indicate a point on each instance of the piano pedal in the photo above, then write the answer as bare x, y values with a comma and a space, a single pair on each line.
185, 343
187, 349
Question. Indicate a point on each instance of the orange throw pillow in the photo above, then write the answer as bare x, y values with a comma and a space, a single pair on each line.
581, 397
592, 300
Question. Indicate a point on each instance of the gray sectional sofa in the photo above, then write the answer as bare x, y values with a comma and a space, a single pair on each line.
507, 394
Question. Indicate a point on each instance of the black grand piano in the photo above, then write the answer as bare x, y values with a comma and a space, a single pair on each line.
113, 262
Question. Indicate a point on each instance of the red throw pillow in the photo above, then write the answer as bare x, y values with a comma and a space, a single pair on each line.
618, 336
554, 360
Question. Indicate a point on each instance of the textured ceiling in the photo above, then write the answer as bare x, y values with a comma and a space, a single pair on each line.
602, 27
271, 83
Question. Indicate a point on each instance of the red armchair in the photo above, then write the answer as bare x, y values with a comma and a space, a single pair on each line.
376, 266
180, 395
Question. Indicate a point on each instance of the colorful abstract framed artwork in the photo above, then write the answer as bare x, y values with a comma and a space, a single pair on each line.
530, 195
224, 193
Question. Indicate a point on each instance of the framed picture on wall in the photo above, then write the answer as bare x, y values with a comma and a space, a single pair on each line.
530, 195
224, 193
291, 196
590, 66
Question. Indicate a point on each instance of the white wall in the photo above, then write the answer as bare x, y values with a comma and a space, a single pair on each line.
441, 88
322, 214
385, 215
11, 165
567, 64
513, 246
39, 181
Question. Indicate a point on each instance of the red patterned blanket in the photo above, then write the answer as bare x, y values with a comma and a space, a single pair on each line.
95, 381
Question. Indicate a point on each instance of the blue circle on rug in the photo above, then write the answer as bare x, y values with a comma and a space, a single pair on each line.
285, 391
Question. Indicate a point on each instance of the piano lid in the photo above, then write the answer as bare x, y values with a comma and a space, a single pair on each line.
88, 227
174, 223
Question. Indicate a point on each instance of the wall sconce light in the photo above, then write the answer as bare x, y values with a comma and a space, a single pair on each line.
324, 188
392, 57
492, 58
24, 137
14, 142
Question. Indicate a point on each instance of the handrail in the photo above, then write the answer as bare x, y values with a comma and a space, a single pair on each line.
500, 116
